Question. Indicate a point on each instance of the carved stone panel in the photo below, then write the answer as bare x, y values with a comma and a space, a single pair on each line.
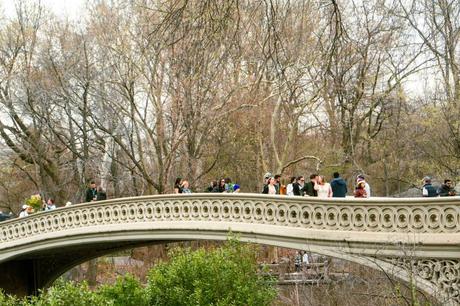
443, 274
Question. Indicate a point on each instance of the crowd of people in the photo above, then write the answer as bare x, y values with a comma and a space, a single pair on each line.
222, 185
317, 186
93, 193
46, 204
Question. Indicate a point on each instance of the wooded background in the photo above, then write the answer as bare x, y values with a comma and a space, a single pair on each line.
139, 92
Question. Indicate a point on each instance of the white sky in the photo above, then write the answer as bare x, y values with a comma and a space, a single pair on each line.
73, 9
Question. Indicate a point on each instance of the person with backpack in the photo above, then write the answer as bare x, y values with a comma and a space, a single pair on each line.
428, 190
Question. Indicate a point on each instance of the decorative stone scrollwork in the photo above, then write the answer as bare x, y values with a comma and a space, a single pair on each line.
361, 216
444, 274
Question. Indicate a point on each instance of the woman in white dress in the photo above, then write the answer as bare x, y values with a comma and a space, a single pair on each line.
323, 189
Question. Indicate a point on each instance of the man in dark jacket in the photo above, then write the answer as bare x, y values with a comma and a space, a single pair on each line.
446, 189
428, 190
91, 192
277, 183
339, 186
297, 187
309, 188
101, 194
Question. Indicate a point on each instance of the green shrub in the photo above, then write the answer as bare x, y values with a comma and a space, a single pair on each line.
8, 300
224, 276
69, 294
127, 291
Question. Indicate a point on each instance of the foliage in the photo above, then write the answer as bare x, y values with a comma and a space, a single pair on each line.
7, 300
69, 294
35, 201
224, 276
127, 291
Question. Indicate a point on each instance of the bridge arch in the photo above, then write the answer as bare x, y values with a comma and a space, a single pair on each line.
411, 239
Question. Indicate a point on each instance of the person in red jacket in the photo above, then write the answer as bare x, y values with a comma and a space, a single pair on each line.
360, 191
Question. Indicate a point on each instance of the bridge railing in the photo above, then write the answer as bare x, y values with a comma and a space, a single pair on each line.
383, 215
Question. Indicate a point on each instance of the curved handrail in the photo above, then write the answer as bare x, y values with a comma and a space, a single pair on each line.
382, 215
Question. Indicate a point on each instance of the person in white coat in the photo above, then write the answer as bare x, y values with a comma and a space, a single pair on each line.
323, 188
24, 211
290, 186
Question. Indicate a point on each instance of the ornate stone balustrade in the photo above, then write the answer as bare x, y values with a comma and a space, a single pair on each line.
376, 215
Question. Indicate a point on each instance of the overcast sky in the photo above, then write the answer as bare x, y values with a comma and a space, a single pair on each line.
63, 8
74, 10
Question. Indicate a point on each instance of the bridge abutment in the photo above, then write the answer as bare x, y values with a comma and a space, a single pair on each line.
20, 277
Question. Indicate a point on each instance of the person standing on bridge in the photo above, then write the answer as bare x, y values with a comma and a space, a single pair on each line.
428, 190
220, 187
270, 187
323, 188
101, 194
178, 185
309, 188
24, 211
278, 183
290, 186
49, 205
298, 186
339, 186
267, 177
185, 187
446, 189
91, 192
360, 190
228, 185
211, 186
360, 178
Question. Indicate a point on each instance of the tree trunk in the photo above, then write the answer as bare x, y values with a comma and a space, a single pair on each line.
91, 274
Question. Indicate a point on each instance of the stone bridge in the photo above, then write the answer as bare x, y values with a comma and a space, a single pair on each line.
416, 240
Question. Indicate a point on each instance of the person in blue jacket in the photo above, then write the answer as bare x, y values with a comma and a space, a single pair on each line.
339, 186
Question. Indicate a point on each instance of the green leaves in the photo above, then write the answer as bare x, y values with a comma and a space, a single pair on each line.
224, 276
127, 291
7, 300
69, 294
